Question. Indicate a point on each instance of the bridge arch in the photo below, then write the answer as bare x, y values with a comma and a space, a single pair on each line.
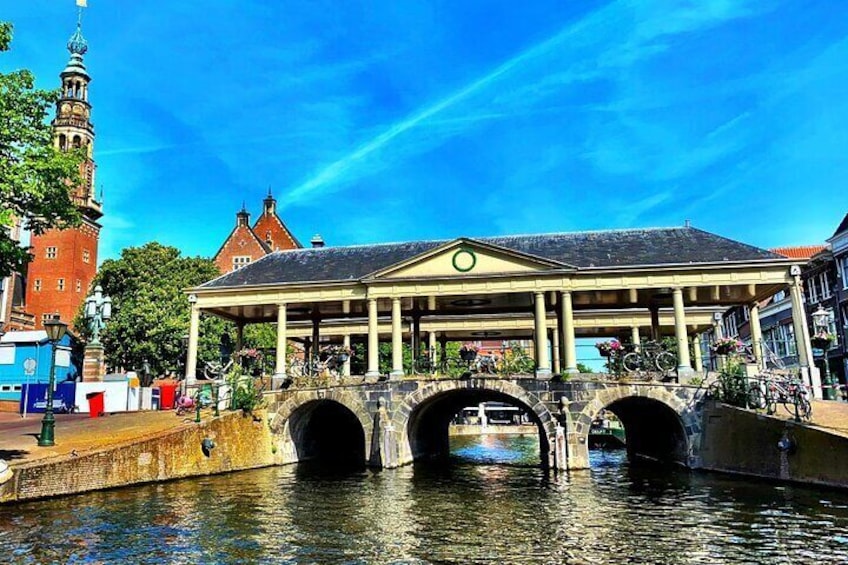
421, 421
661, 422
328, 424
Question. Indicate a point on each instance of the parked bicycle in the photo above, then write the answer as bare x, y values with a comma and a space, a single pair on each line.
767, 391
650, 357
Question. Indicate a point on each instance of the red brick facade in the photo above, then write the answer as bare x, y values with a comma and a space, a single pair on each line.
61, 271
245, 244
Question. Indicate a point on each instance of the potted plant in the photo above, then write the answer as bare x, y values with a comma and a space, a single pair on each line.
823, 340
468, 352
608, 348
726, 345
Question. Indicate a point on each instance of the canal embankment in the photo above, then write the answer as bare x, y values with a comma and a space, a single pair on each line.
158, 449
744, 442
477, 429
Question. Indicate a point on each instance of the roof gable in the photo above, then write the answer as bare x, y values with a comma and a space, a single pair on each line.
281, 238
467, 257
242, 241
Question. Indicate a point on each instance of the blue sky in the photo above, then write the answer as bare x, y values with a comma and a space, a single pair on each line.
384, 121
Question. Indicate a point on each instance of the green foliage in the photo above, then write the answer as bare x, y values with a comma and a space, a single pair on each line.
583, 368
150, 309
516, 361
245, 395
732, 383
33, 173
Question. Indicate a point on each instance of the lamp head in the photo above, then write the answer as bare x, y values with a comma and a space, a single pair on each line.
55, 329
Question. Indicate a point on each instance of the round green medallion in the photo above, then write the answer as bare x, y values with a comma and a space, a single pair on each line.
464, 260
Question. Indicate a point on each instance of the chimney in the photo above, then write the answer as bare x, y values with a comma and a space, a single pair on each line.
317, 241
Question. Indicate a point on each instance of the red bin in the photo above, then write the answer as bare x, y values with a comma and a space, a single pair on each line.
95, 404
167, 396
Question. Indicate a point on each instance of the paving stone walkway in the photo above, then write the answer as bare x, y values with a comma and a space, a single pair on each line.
77, 433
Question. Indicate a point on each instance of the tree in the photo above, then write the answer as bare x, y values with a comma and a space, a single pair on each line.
151, 311
34, 175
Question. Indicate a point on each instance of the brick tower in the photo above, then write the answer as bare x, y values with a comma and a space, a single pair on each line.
65, 261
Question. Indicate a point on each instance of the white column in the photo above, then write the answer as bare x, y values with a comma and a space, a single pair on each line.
282, 340
569, 341
684, 365
696, 345
346, 365
191, 355
431, 351
373, 340
555, 344
756, 333
397, 340
543, 366
809, 371
634, 337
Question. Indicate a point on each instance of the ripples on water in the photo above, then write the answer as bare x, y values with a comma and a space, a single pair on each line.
489, 504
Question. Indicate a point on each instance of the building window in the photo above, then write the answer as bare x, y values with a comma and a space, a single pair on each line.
60, 284
240, 261
824, 285
842, 270
37, 285
48, 317
812, 292
51, 252
79, 285
86, 256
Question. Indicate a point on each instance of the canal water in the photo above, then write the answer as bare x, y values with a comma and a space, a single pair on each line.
489, 504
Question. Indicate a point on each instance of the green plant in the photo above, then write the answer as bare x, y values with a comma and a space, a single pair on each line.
516, 361
732, 384
245, 396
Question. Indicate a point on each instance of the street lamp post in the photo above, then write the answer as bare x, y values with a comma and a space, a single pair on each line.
821, 319
55, 329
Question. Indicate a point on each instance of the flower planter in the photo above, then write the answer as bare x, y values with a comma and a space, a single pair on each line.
725, 349
466, 355
820, 343
342, 358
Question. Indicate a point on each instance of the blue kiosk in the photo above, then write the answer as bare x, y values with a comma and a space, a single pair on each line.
25, 371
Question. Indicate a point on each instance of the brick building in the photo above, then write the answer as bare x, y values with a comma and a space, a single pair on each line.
246, 244
65, 261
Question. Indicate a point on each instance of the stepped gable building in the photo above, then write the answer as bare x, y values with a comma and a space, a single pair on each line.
65, 261
246, 244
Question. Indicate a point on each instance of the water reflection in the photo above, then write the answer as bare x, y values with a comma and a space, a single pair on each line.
490, 504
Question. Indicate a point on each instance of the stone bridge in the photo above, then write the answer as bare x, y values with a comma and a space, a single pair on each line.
393, 423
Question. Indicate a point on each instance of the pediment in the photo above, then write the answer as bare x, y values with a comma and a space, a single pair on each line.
467, 257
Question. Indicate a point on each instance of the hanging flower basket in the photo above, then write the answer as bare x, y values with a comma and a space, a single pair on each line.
822, 340
468, 352
726, 346
608, 348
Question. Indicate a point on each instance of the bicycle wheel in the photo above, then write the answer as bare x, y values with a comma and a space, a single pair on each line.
632, 362
756, 398
770, 398
666, 361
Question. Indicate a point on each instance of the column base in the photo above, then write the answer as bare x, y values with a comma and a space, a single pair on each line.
396, 374
543, 373
685, 371
572, 370
372, 374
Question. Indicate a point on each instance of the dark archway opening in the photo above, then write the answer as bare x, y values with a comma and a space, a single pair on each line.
653, 430
429, 424
327, 434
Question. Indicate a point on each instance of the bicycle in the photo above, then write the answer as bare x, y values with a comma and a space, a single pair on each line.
650, 356
767, 392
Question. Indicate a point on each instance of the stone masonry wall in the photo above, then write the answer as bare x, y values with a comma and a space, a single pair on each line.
241, 442
746, 443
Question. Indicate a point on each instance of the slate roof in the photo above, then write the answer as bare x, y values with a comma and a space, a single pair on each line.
843, 226
598, 249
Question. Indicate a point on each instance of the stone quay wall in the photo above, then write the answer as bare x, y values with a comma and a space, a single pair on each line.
240, 442
746, 443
